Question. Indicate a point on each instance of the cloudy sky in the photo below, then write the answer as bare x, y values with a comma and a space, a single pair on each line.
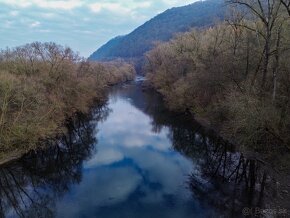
83, 25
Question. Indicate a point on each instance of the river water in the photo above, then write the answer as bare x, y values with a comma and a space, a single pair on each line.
131, 158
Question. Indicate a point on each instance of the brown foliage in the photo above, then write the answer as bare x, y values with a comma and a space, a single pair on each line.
219, 73
43, 83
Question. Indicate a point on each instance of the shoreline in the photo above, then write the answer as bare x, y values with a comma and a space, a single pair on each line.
14, 155
278, 167
11, 156
282, 177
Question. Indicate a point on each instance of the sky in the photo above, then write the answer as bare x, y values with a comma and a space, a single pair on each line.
83, 25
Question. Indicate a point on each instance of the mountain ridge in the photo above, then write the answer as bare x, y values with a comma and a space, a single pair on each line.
162, 28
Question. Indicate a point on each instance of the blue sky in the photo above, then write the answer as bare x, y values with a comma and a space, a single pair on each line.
84, 25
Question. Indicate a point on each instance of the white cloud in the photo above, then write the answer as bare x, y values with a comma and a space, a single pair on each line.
65, 5
47, 15
48, 4
14, 13
177, 2
8, 24
112, 187
96, 7
83, 25
112, 7
34, 24
130, 135
44, 31
16, 3
104, 157
126, 7
144, 4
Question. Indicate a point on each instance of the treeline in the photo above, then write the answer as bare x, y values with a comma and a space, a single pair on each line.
235, 74
41, 84
161, 28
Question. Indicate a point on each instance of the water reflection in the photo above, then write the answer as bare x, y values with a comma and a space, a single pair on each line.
29, 187
136, 173
147, 163
222, 178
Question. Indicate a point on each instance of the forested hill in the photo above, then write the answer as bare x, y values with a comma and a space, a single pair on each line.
161, 28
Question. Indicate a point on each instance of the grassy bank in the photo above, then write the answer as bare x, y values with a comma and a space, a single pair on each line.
41, 84
235, 75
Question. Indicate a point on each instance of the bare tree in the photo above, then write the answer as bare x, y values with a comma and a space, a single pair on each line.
286, 3
267, 12
277, 62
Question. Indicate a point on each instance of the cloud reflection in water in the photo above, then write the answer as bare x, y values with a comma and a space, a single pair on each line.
133, 166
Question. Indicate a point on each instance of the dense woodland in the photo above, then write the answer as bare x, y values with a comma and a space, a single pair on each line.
235, 74
161, 28
41, 84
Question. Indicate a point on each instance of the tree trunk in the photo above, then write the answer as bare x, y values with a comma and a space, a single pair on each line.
266, 57
247, 59
276, 67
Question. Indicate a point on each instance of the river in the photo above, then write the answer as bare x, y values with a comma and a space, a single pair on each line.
131, 158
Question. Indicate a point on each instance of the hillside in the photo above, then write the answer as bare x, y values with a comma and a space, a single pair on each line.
161, 28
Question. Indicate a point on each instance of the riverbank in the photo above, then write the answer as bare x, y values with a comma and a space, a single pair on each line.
203, 77
134, 130
277, 169
43, 84
10, 156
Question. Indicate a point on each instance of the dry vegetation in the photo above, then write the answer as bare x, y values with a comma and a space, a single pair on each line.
235, 74
43, 83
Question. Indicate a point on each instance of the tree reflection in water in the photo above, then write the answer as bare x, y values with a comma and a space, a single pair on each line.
30, 186
225, 179
221, 177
